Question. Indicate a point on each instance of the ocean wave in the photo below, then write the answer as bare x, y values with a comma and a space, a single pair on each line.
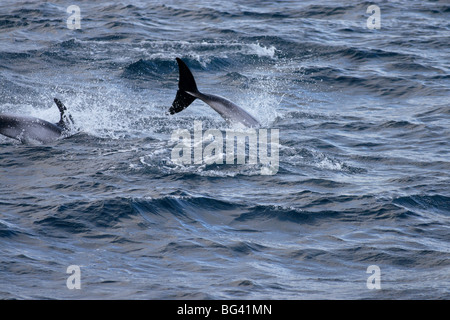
216, 55
425, 203
7, 230
154, 69
83, 217
106, 215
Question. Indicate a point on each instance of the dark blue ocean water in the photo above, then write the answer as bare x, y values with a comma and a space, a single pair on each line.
364, 129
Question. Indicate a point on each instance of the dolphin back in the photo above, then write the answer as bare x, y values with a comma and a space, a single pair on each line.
28, 129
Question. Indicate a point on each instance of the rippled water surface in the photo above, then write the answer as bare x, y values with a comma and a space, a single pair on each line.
364, 129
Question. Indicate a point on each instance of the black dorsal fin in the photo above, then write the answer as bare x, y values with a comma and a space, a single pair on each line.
62, 108
65, 121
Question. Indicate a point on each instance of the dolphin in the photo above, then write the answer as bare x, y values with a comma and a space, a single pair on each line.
188, 92
28, 129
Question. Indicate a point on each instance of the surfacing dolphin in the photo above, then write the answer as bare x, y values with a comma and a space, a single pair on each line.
188, 92
30, 129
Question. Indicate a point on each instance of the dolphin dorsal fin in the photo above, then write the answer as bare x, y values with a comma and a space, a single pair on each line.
66, 120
